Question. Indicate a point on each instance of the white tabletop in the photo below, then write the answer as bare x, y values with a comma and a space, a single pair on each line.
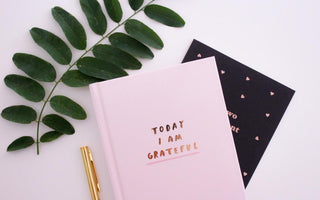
280, 39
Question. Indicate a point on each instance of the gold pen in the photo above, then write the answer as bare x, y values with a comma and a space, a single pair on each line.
91, 172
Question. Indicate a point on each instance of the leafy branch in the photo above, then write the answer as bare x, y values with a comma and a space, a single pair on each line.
109, 61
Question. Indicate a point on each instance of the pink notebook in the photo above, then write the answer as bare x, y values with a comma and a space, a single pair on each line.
166, 135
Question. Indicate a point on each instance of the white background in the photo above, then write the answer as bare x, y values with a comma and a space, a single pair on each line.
277, 38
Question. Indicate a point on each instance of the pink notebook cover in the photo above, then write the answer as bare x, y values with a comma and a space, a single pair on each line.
166, 135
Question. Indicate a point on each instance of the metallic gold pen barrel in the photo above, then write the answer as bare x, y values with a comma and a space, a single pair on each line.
91, 172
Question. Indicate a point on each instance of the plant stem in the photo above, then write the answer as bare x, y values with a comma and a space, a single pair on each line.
73, 64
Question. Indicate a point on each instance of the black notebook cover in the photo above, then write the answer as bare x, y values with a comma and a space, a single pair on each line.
255, 104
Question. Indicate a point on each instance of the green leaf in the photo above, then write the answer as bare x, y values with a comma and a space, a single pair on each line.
164, 15
99, 68
71, 27
130, 45
19, 114
58, 123
135, 4
55, 46
35, 67
21, 143
143, 33
114, 10
66, 106
25, 87
116, 56
74, 78
96, 19
50, 136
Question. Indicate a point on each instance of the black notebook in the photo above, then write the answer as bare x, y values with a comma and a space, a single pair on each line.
255, 104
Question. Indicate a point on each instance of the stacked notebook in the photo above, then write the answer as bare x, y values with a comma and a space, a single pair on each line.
255, 105
167, 133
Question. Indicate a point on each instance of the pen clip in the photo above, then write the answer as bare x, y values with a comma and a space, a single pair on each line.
94, 172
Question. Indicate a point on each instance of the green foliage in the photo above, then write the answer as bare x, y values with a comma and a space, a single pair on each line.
50, 136
35, 67
25, 87
66, 106
21, 143
96, 19
74, 78
116, 56
101, 69
19, 114
58, 123
114, 10
71, 27
143, 33
130, 45
135, 4
56, 47
110, 61
164, 15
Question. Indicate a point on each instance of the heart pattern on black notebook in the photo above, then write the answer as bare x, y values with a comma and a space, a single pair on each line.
255, 104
